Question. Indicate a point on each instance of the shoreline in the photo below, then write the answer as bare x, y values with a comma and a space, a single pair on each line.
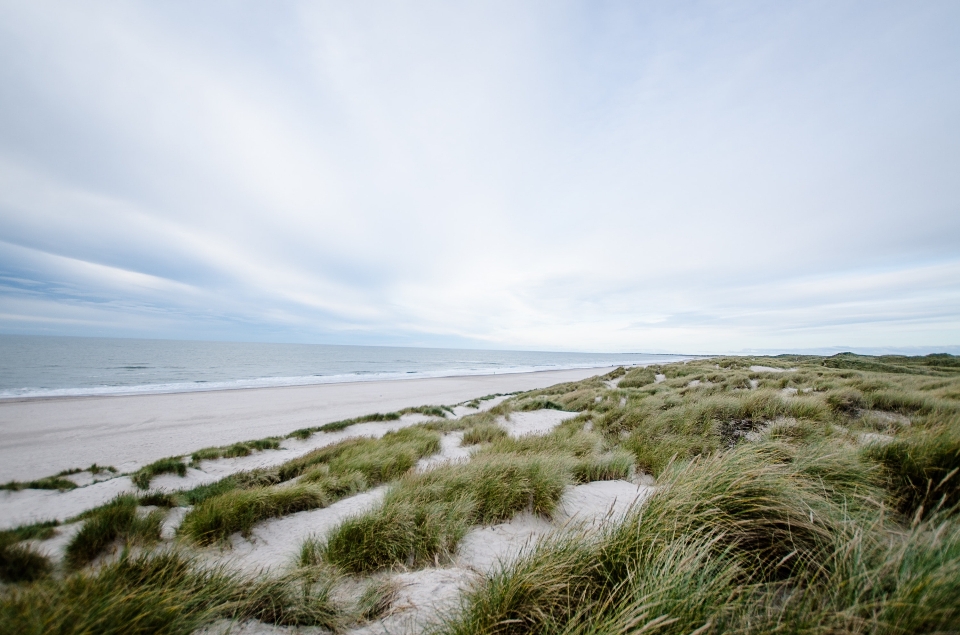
146, 393
42, 436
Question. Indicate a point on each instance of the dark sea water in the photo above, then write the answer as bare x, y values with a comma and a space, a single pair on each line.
32, 366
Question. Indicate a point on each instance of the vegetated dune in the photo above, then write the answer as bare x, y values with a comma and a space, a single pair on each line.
756, 495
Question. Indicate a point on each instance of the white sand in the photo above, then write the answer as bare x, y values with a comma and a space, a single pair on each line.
40, 437
275, 544
534, 422
30, 505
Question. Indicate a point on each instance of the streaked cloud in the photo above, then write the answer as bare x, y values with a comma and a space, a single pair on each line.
678, 177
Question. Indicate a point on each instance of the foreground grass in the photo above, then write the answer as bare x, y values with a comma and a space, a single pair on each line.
824, 498
724, 541
163, 593
773, 513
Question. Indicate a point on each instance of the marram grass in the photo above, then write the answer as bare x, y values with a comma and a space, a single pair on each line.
326, 475
821, 499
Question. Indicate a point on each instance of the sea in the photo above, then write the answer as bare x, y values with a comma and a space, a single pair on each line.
48, 366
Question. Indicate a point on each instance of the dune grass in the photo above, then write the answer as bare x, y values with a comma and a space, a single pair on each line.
774, 511
769, 517
430, 411
379, 460
638, 377
238, 510
617, 465
49, 482
922, 468
104, 526
723, 537
19, 562
57, 481
242, 448
237, 503
421, 519
483, 433
164, 593
170, 465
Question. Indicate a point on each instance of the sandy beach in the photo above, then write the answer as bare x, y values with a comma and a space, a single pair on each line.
40, 437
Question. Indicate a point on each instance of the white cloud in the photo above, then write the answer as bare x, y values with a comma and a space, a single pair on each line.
552, 176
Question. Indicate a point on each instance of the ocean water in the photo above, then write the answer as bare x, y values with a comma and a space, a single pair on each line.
37, 366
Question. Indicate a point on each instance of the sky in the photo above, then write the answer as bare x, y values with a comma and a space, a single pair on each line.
689, 177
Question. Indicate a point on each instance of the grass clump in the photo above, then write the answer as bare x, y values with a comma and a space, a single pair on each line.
49, 482
612, 466
19, 562
242, 448
306, 433
116, 521
57, 482
922, 469
238, 502
379, 460
164, 593
424, 516
717, 528
483, 433
238, 510
638, 378
170, 465
377, 599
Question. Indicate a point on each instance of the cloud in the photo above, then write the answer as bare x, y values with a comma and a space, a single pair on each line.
685, 177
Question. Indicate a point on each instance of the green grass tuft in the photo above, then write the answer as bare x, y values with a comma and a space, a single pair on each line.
171, 465
216, 518
306, 433
243, 448
19, 562
922, 469
50, 482
422, 519
605, 467
638, 378
166, 594
116, 521
483, 433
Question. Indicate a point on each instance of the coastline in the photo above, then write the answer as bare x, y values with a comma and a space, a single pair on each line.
40, 436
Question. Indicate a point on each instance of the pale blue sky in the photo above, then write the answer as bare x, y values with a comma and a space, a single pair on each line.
680, 177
